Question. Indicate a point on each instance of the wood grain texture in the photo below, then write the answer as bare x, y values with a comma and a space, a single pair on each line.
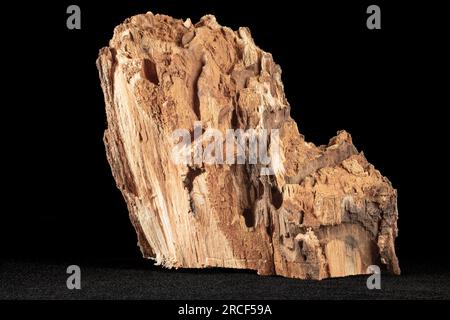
325, 212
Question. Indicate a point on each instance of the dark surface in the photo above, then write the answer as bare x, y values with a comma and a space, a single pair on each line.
125, 280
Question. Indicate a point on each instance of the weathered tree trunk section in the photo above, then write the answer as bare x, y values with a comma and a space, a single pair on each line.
315, 212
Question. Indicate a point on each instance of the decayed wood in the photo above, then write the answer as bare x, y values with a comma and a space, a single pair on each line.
326, 211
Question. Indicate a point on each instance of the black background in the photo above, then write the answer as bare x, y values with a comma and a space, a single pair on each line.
386, 87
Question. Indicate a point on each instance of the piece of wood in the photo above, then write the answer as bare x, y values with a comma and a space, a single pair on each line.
324, 212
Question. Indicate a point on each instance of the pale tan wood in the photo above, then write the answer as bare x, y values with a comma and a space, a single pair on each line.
326, 212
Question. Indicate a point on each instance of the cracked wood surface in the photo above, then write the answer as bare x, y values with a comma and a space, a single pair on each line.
326, 212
